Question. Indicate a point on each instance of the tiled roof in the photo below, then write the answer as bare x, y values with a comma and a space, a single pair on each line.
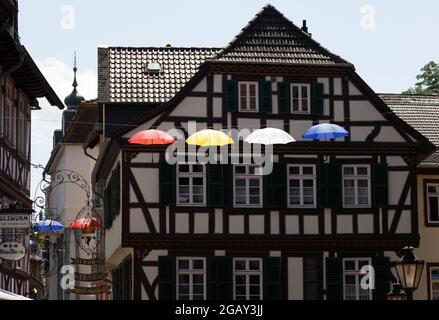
123, 78
271, 37
422, 113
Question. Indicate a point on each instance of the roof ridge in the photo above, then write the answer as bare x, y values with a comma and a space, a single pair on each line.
236, 40
162, 48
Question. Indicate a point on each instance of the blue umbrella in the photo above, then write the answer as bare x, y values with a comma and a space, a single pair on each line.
48, 226
325, 131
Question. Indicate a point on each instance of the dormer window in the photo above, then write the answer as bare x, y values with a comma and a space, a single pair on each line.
153, 68
248, 96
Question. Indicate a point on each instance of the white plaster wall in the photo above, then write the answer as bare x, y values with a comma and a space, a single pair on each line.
364, 111
217, 83
148, 181
344, 224
389, 134
191, 106
353, 90
397, 181
360, 133
298, 127
201, 86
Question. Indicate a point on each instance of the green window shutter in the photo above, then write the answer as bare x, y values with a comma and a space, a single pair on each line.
283, 99
311, 279
272, 278
317, 99
107, 216
382, 277
380, 188
214, 185
227, 174
167, 176
232, 95
275, 187
167, 272
334, 279
220, 278
265, 96
330, 186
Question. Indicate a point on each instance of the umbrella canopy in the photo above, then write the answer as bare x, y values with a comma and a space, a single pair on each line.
85, 223
325, 131
151, 137
208, 138
48, 226
269, 136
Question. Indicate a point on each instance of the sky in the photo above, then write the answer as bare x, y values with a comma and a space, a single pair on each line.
387, 41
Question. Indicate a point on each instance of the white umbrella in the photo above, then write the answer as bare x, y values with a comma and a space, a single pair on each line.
269, 136
6, 295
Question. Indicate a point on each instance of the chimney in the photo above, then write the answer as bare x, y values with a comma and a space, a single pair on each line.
305, 28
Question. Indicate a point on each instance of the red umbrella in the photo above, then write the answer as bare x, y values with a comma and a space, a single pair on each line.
85, 223
150, 137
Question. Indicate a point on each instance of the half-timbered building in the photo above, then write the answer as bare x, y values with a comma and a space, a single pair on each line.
223, 231
21, 83
421, 112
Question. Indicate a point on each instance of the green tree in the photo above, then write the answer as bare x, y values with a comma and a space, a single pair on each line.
428, 80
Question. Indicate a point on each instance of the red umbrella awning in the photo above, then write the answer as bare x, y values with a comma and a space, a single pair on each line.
85, 223
151, 137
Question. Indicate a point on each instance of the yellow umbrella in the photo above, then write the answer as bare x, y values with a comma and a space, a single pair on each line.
209, 137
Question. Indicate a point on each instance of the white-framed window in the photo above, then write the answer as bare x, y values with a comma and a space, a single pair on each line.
247, 279
434, 283
300, 98
191, 184
248, 96
191, 278
352, 279
433, 202
301, 185
247, 186
356, 185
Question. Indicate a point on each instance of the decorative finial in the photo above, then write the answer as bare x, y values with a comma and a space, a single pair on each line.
75, 83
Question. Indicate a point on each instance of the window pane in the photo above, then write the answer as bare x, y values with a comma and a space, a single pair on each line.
349, 265
295, 104
254, 191
295, 92
308, 183
183, 181
198, 289
362, 183
251, 170
183, 264
239, 264
305, 105
252, 90
240, 182
183, 279
254, 279
240, 200
240, 169
255, 290
197, 181
243, 103
254, 264
255, 200
183, 297
432, 189
294, 183
304, 92
254, 182
183, 168
197, 168
253, 103
240, 280
198, 264
349, 183
294, 170
240, 290
433, 208
362, 171
308, 170
243, 89
349, 171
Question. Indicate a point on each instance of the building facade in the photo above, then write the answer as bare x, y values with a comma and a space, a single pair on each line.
193, 230
71, 162
21, 83
421, 112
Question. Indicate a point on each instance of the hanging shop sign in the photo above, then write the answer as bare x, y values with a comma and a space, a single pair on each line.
90, 290
12, 251
14, 221
89, 277
88, 262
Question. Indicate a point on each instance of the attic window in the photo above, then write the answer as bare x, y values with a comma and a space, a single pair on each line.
153, 68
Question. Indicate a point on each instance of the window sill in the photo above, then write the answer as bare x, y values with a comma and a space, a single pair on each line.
247, 206
302, 207
249, 111
368, 206
432, 224
183, 205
